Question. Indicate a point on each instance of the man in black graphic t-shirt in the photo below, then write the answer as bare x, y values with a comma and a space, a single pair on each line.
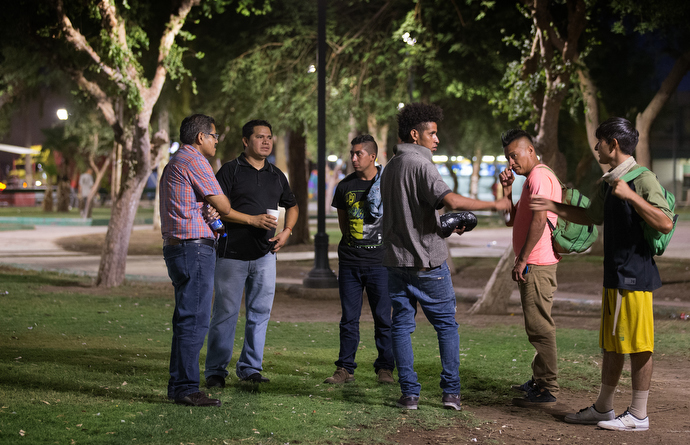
360, 254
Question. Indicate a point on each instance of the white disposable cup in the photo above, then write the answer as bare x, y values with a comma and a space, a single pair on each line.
273, 212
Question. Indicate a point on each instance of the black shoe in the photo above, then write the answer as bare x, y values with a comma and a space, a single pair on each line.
407, 402
522, 389
215, 381
198, 399
256, 378
534, 398
456, 220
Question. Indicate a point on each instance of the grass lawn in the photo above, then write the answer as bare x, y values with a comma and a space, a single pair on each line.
86, 365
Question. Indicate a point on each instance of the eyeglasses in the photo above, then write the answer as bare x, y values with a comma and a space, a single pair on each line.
215, 135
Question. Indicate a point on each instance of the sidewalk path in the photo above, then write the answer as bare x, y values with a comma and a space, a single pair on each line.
37, 249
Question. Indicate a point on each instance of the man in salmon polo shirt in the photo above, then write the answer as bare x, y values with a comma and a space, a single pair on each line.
535, 264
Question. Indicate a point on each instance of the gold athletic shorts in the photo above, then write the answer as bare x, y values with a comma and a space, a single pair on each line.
632, 330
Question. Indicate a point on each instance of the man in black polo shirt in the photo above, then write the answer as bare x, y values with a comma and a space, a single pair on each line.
246, 257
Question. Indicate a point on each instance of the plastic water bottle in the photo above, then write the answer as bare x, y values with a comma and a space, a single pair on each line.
217, 226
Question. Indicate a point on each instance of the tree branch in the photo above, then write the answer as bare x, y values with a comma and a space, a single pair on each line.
367, 25
167, 39
102, 101
79, 42
668, 86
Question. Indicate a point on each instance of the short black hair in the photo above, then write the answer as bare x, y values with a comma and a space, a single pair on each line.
416, 116
620, 129
193, 125
511, 135
366, 139
248, 128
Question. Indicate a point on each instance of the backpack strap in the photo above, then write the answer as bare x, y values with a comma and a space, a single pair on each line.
563, 187
632, 174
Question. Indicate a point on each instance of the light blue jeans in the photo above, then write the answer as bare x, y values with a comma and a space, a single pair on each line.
257, 278
433, 290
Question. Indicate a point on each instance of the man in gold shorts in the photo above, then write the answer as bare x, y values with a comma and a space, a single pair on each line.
630, 273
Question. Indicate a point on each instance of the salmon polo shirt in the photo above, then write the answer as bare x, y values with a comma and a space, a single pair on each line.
543, 182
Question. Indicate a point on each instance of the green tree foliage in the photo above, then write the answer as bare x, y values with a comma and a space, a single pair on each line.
120, 53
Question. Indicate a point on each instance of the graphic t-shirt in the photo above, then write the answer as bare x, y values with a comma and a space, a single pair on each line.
362, 244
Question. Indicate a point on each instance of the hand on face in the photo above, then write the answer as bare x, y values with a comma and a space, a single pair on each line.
506, 177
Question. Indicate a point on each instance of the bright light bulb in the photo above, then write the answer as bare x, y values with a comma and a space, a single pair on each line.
62, 114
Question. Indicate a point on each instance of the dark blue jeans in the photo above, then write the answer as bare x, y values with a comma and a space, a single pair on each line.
433, 290
191, 268
352, 281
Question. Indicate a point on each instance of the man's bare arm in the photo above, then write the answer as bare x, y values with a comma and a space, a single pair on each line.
578, 215
458, 202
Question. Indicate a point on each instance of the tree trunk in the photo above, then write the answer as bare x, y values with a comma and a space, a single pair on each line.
163, 158
63, 190
589, 97
100, 172
645, 119
280, 152
115, 181
111, 271
48, 198
380, 133
494, 299
546, 142
297, 169
474, 179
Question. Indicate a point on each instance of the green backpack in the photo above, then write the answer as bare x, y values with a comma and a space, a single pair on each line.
569, 237
657, 241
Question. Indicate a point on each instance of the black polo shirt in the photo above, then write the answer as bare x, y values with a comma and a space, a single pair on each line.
251, 191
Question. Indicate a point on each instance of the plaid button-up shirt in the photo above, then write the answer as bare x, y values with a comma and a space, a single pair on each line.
185, 181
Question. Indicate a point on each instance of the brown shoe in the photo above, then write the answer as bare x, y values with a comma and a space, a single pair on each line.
385, 376
340, 376
198, 399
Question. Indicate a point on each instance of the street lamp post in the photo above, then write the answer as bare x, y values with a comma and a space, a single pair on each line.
321, 276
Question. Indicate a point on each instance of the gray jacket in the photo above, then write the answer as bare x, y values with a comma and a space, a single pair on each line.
412, 191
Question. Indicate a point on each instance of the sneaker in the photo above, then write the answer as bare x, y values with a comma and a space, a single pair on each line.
451, 401
407, 402
215, 381
524, 387
383, 376
589, 416
340, 376
535, 397
625, 422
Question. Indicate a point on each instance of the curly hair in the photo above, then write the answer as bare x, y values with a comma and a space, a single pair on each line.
416, 116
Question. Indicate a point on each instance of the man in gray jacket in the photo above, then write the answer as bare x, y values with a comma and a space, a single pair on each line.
412, 191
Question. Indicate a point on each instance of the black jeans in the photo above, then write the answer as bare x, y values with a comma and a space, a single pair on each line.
352, 281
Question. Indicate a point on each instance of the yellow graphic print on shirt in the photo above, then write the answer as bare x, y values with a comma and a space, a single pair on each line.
355, 216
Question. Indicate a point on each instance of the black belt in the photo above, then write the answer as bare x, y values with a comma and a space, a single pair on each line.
177, 242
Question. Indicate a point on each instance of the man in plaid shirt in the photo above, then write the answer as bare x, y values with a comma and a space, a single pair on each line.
187, 184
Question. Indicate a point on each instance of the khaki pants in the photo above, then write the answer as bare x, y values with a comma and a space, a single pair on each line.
536, 295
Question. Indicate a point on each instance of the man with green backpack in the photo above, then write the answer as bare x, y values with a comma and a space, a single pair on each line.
638, 220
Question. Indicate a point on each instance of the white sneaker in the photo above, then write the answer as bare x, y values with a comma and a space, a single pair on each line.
625, 422
589, 416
